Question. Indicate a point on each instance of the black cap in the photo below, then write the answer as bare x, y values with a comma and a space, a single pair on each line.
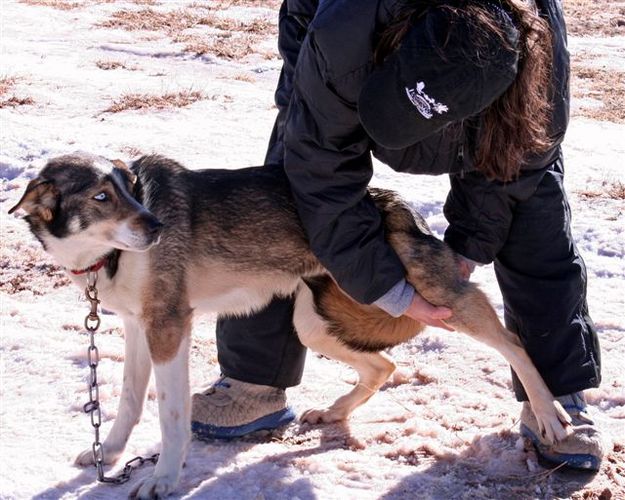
444, 71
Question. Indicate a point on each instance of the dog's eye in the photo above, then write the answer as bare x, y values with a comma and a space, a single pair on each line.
101, 197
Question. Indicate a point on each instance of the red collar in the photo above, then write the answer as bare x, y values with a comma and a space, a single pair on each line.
95, 267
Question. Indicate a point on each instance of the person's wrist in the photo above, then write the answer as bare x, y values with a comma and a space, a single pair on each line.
397, 300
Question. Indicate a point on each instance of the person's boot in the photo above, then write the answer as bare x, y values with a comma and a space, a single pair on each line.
231, 408
582, 449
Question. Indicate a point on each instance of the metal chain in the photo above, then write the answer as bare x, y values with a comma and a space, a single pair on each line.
92, 323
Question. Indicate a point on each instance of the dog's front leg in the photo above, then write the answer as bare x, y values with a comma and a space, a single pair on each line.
137, 367
174, 407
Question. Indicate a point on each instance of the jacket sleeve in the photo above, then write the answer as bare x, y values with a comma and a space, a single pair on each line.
328, 163
293, 20
480, 212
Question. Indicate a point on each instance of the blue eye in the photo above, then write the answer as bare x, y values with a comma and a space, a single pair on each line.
101, 197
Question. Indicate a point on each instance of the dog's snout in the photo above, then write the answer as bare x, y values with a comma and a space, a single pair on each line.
154, 226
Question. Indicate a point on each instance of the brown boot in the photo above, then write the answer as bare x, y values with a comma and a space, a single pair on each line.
231, 408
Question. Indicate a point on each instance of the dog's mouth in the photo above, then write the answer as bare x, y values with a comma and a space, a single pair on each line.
137, 246
134, 240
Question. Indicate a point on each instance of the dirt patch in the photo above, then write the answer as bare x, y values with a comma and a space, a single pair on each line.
135, 101
108, 65
151, 20
600, 92
215, 33
595, 17
8, 99
225, 4
64, 4
31, 272
232, 46
614, 190
55, 4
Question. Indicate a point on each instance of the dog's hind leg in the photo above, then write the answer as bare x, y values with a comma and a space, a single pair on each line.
373, 368
137, 367
475, 316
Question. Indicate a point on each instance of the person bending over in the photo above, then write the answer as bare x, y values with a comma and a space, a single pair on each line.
474, 89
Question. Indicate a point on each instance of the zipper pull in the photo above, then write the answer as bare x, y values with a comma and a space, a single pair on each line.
461, 159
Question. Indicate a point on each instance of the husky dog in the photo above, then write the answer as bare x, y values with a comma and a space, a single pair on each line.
170, 241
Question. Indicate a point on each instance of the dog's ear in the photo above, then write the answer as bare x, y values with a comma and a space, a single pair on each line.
39, 199
122, 165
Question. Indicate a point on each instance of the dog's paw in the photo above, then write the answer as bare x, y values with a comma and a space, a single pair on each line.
323, 416
154, 487
553, 422
85, 458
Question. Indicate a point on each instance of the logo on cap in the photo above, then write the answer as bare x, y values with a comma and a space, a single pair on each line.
425, 105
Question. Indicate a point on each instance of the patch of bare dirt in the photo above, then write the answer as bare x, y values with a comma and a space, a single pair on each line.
151, 101
215, 33
595, 17
600, 91
64, 4
8, 99
108, 65
614, 190
26, 269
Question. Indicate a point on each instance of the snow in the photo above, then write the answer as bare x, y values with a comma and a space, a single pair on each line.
446, 424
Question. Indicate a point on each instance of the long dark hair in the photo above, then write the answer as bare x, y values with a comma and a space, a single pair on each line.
515, 126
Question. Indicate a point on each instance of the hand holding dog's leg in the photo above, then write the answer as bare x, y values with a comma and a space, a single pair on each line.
424, 312
137, 367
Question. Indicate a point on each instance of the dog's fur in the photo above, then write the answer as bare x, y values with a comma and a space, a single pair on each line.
230, 240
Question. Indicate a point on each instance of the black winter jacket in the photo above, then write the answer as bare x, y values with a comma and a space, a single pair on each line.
327, 154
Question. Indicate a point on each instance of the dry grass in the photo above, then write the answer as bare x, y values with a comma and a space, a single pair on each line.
7, 98
225, 46
64, 4
108, 65
6, 84
225, 4
259, 26
244, 77
604, 85
55, 4
229, 38
613, 190
132, 151
151, 20
595, 17
134, 101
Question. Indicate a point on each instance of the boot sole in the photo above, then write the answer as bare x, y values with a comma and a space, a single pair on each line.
268, 422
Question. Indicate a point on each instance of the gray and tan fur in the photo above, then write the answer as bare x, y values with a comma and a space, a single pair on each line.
178, 241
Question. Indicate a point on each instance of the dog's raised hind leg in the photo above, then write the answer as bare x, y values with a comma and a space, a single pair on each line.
474, 316
137, 367
373, 368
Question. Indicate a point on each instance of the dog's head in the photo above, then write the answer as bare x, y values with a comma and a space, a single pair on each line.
82, 205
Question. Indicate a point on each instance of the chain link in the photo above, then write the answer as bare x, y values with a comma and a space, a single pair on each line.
92, 323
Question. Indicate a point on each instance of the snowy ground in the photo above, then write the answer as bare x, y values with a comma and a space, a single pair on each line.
445, 427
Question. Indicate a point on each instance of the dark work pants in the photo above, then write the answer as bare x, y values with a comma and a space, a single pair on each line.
542, 279
262, 348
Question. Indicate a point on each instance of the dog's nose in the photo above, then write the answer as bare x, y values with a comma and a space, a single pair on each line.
154, 226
